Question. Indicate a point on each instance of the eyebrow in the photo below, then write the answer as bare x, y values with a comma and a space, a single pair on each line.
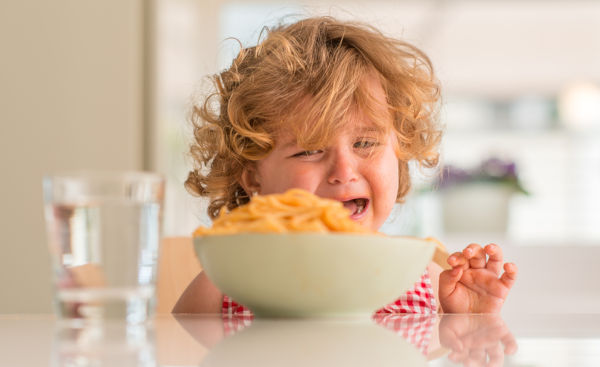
294, 142
364, 130
367, 129
290, 144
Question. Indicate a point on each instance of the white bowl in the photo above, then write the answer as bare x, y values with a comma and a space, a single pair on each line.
306, 274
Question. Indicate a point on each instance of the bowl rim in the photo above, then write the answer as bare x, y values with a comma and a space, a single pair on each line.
378, 236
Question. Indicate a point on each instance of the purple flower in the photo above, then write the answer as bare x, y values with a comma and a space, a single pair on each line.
495, 167
452, 175
490, 170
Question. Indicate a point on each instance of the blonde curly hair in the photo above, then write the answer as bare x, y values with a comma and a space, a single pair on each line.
325, 62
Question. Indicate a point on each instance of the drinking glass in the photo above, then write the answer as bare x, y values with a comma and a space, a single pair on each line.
104, 231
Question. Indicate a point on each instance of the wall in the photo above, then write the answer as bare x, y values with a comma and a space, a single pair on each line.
70, 98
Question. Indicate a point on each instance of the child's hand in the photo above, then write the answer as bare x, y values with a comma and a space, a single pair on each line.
474, 283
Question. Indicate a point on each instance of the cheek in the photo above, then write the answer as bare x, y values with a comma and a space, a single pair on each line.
388, 190
276, 180
386, 184
388, 171
393, 180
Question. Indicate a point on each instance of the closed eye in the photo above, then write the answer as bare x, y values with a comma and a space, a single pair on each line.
365, 144
307, 153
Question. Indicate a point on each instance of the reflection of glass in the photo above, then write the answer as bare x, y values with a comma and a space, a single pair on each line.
104, 233
108, 344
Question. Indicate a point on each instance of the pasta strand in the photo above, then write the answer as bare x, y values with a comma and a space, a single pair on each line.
293, 211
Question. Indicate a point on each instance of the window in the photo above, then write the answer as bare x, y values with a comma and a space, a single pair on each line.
520, 82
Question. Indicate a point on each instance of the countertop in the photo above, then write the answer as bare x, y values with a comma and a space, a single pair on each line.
408, 340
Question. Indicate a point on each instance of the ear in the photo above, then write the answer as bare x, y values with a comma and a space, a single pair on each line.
250, 180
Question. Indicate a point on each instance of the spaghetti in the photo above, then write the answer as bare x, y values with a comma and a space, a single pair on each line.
293, 211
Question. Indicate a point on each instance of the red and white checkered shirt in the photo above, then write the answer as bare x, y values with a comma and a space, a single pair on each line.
419, 300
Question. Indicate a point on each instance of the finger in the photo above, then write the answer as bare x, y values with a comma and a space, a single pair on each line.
477, 357
476, 256
448, 334
496, 356
509, 276
448, 281
459, 357
472, 362
494, 287
484, 338
510, 344
458, 259
454, 343
495, 258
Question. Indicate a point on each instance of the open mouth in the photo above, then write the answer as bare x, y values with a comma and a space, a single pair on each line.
356, 206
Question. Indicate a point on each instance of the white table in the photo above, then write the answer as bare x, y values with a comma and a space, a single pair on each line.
530, 339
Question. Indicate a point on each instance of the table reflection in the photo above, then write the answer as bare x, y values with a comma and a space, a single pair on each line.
392, 339
414, 340
225, 341
389, 339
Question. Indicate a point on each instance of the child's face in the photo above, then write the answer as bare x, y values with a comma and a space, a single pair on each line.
358, 168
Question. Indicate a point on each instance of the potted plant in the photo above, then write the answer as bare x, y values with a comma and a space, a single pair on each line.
477, 200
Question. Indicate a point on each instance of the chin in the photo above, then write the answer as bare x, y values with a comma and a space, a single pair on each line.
368, 223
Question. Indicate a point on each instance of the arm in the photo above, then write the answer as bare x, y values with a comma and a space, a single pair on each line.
200, 296
438, 264
434, 271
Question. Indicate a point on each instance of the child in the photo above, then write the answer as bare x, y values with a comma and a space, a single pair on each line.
337, 109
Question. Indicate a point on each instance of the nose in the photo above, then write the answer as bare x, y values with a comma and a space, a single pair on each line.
343, 167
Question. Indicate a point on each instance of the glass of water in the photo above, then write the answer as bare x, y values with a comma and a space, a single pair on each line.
104, 232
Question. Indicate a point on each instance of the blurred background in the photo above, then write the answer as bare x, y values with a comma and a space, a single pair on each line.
109, 85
